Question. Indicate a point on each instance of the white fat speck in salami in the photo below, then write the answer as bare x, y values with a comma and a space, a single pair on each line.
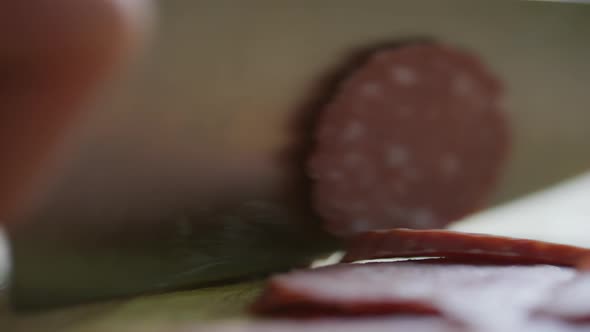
360, 224
353, 132
403, 75
449, 165
371, 90
463, 85
432, 100
423, 218
396, 156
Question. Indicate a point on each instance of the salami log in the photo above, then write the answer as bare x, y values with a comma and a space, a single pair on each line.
458, 246
414, 138
472, 295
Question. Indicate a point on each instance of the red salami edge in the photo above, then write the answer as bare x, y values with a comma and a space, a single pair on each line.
584, 264
458, 246
279, 301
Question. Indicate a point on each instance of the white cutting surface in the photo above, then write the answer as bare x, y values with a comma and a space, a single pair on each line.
558, 214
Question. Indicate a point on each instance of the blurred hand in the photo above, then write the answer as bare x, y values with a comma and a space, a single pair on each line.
53, 55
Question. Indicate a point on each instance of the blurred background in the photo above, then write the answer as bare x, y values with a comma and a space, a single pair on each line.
222, 82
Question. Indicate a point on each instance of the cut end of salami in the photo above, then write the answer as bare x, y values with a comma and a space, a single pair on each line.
461, 247
414, 138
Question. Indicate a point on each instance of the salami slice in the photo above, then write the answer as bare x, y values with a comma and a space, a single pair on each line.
570, 301
458, 246
405, 324
414, 138
471, 295
413, 324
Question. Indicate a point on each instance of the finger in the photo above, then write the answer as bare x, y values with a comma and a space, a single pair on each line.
53, 54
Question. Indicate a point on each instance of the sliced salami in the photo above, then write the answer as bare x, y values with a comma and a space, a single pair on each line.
414, 138
413, 324
458, 246
398, 324
470, 295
